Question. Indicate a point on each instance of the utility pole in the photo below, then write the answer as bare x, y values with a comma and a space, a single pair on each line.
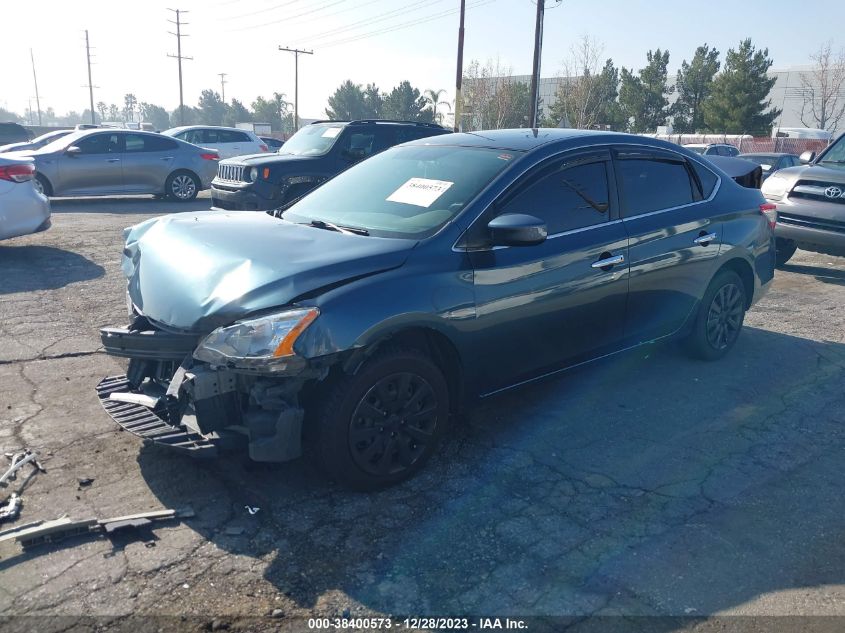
223, 86
535, 75
90, 83
460, 73
179, 35
296, 53
35, 80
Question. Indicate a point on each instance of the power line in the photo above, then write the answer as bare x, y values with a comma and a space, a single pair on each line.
179, 35
288, 18
404, 25
265, 10
35, 80
414, 6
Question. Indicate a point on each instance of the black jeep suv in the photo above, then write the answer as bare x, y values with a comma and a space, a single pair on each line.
312, 155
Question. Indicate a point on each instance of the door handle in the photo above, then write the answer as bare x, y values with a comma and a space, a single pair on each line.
704, 240
607, 262
112, 160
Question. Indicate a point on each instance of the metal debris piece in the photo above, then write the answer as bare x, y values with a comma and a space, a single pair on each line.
11, 509
252, 510
85, 481
115, 526
18, 461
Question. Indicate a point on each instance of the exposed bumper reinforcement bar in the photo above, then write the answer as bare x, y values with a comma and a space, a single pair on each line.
147, 424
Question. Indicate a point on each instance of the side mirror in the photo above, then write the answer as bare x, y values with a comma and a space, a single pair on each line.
807, 157
517, 229
73, 150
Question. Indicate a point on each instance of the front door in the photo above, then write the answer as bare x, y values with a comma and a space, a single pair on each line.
542, 307
673, 241
96, 169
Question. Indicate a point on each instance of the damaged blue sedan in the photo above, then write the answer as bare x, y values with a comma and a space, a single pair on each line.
360, 318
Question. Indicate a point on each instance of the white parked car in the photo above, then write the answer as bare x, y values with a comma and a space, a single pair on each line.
228, 141
22, 209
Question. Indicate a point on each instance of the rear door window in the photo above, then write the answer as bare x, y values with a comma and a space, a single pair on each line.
651, 181
145, 143
100, 144
230, 136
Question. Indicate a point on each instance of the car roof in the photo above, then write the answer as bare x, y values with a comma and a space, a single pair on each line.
775, 154
523, 139
182, 128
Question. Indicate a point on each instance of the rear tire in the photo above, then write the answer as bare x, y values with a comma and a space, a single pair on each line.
42, 185
381, 425
720, 316
182, 186
784, 250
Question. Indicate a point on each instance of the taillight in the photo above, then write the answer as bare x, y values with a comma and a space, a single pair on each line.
210, 156
17, 173
771, 212
264, 148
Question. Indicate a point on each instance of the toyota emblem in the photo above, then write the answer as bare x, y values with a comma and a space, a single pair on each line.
833, 192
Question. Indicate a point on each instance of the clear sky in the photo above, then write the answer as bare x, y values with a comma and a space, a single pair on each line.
381, 41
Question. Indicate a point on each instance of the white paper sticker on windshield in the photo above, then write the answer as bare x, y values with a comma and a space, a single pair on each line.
331, 132
420, 192
765, 166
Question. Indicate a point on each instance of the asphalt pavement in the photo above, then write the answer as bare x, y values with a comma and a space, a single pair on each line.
645, 485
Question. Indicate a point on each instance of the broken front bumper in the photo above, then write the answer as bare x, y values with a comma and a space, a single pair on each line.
149, 423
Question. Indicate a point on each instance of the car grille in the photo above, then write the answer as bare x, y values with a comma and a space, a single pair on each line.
232, 173
811, 223
816, 190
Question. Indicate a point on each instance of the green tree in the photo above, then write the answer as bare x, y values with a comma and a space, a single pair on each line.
191, 116
373, 102
236, 113
211, 108
432, 97
643, 97
694, 82
347, 103
404, 103
266, 111
154, 114
8, 115
102, 110
129, 103
114, 113
737, 102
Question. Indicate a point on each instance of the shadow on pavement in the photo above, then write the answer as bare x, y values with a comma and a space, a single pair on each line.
825, 275
642, 485
126, 204
32, 267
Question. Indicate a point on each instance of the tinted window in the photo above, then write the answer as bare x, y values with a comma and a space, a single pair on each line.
706, 177
361, 144
652, 184
567, 198
192, 136
144, 143
99, 144
230, 136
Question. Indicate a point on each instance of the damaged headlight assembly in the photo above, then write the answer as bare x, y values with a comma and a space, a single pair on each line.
263, 344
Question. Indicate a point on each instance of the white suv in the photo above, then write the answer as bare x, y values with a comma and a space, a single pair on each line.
227, 141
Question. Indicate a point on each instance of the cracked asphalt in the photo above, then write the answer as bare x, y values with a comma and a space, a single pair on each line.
649, 484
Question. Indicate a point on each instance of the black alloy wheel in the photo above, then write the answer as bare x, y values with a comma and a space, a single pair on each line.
724, 318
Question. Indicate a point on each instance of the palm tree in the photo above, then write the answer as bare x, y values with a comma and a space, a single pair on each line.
433, 98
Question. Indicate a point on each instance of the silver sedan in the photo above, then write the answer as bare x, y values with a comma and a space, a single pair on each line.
119, 162
22, 209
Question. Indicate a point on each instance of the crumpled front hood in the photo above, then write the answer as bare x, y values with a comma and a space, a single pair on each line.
194, 272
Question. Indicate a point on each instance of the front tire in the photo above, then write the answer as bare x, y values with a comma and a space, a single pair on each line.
381, 425
720, 316
182, 186
784, 250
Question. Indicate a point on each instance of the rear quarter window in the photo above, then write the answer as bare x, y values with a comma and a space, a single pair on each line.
707, 179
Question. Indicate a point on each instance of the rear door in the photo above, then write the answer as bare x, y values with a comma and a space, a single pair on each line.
673, 242
545, 306
235, 143
147, 162
95, 170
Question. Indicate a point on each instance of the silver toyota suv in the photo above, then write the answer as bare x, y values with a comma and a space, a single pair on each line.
811, 203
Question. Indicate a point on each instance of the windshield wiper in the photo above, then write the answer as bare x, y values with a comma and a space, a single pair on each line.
322, 224
835, 162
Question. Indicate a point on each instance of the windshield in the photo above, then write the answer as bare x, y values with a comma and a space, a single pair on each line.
314, 140
697, 149
62, 142
835, 153
404, 192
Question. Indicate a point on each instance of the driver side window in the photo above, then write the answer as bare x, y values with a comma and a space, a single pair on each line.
99, 144
566, 197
